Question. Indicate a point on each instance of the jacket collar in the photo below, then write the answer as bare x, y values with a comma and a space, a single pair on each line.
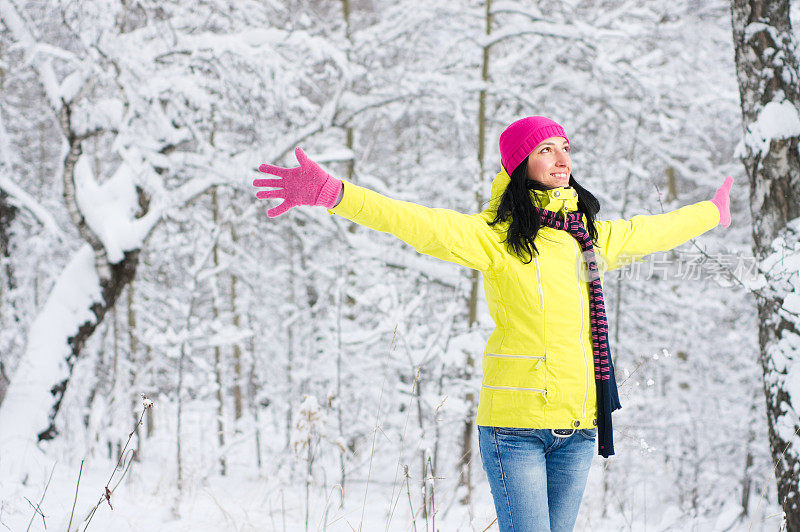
554, 199
558, 199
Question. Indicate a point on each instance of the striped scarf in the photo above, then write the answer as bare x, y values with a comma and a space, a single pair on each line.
606, 384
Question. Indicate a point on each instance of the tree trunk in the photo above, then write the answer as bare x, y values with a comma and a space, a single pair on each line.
133, 374
252, 396
7, 213
290, 341
423, 455
747, 479
42, 169
218, 379
619, 290
113, 278
237, 352
344, 272
465, 461
768, 86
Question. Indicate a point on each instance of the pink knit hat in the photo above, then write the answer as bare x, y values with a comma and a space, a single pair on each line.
520, 138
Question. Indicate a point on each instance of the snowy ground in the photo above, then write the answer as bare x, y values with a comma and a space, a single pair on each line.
148, 500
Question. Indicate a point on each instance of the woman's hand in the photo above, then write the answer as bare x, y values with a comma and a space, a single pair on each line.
307, 184
722, 201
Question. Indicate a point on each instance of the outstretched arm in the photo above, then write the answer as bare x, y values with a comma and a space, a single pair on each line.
621, 242
442, 233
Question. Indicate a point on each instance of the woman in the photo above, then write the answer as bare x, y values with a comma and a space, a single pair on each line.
548, 386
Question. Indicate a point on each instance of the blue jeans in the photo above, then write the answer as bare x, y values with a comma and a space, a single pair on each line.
537, 479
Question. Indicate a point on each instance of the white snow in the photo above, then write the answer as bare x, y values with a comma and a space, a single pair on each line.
777, 120
791, 303
22, 199
43, 65
24, 412
72, 84
105, 114
109, 208
756, 27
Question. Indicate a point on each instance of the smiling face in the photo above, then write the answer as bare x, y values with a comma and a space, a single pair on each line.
549, 163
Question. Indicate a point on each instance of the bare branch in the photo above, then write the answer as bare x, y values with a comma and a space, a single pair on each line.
22, 199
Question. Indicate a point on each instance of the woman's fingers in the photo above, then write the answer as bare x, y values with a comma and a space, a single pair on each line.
727, 184
285, 172
301, 156
275, 170
267, 194
268, 183
280, 209
273, 194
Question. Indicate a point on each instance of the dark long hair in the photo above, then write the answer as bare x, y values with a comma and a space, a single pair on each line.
525, 222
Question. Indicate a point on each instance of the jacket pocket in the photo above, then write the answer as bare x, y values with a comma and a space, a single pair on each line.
513, 372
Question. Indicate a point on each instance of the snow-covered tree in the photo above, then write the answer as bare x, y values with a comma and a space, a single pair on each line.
769, 88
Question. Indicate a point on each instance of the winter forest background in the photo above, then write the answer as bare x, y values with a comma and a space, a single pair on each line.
310, 374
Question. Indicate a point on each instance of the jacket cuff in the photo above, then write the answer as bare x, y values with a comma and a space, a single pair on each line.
329, 192
352, 201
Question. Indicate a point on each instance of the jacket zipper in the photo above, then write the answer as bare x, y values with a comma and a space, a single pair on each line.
539, 358
537, 390
539, 280
583, 347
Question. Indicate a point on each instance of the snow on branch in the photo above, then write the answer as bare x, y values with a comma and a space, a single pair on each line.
20, 198
19, 29
574, 32
26, 407
754, 28
777, 120
546, 29
531, 12
109, 209
142, 227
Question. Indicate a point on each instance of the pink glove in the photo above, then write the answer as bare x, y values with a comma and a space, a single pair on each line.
307, 184
722, 201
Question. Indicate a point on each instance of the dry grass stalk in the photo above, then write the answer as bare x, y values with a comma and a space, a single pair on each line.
107, 492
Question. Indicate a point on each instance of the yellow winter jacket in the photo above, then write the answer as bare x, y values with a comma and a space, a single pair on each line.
538, 365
